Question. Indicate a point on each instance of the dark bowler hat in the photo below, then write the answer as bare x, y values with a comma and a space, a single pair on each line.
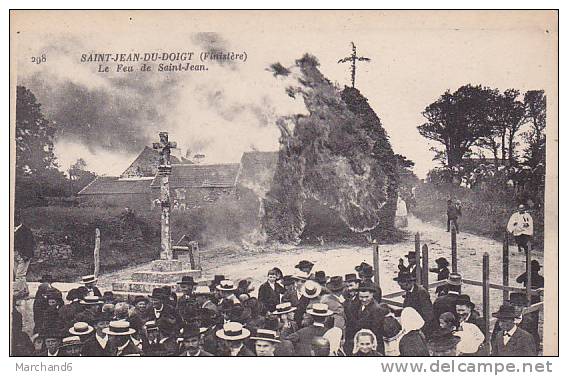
304, 264
360, 267
404, 276
108, 296
320, 277
191, 331
506, 311
366, 271
216, 280
410, 254
351, 277
464, 299
186, 280
443, 339
391, 328
442, 262
367, 286
158, 293
518, 299
335, 283
265, 335
140, 298
288, 280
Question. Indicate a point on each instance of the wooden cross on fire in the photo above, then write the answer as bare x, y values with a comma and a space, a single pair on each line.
353, 58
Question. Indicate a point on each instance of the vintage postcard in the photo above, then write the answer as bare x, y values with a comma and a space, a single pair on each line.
284, 183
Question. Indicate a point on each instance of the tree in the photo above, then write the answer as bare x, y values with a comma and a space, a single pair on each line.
458, 121
507, 116
535, 113
34, 136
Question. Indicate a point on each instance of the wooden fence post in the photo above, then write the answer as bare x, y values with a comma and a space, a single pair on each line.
505, 265
376, 259
425, 267
97, 251
454, 248
486, 297
529, 271
418, 273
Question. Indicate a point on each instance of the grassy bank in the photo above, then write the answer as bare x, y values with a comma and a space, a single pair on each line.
483, 212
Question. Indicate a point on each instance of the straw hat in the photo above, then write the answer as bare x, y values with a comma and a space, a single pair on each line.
233, 331
119, 328
88, 279
226, 285
319, 309
311, 289
283, 308
81, 329
266, 335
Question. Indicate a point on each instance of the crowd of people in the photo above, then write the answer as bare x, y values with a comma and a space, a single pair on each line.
306, 313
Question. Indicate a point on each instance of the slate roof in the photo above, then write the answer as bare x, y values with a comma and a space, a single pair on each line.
146, 163
106, 185
202, 176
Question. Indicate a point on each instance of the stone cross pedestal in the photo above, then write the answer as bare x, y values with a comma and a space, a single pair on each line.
166, 270
164, 171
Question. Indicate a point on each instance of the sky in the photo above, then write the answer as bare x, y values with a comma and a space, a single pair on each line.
107, 118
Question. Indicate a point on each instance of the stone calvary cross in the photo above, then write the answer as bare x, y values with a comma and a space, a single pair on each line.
353, 59
164, 171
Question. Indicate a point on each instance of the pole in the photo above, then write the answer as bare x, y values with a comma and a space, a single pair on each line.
96, 253
376, 256
529, 271
454, 248
418, 272
425, 267
505, 265
486, 297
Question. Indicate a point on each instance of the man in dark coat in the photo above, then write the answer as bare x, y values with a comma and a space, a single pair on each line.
120, 343
302, 339
52, 338
453, 212
234, 334
24, 245
443, 273
190, 337
269, 292
98, 344
364, 313
21, 343
511, 340
418, 298
447, 303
